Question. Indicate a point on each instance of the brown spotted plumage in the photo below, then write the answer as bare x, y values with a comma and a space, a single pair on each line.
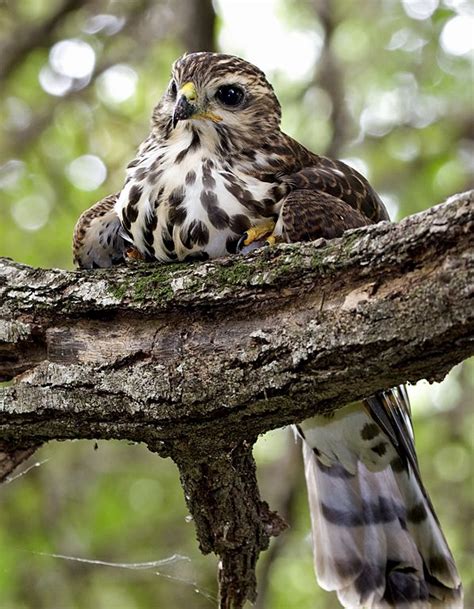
97, 240
209, 162
215, 170
307, 215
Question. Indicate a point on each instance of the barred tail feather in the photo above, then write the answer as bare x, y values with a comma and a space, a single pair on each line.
376, 540
439, 567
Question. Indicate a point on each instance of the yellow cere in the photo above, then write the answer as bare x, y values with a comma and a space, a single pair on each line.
189, 91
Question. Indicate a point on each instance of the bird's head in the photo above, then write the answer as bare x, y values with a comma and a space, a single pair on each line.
223, 91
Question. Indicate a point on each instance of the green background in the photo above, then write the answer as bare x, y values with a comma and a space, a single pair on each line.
386, 88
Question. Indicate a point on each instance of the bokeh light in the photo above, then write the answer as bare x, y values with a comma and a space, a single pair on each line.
72, 58
453, 462
87, 172
420, 9
105, 24
383, 112
457, 37
406, 40
31, 213
117, 84
10, 173
290, 51
54, 83
18, 113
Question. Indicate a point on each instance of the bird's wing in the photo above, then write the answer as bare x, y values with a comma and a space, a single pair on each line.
97, 240
304, 170
310, 214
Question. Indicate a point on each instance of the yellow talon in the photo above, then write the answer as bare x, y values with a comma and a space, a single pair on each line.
254, 233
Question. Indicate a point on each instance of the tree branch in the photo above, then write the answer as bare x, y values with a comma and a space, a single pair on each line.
197, 360
170, 344
198, 29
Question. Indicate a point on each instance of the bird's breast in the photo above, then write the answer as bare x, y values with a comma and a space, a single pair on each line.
181, 201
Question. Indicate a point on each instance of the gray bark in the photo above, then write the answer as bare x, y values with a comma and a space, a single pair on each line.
197, 360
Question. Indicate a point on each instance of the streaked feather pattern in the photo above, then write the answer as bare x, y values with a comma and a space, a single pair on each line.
98, 241
376, 539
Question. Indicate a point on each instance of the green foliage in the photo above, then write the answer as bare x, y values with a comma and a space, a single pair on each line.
408, 124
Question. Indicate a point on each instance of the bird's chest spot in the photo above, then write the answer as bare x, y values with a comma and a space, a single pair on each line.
195, 205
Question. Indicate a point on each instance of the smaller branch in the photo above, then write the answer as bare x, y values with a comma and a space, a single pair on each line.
198, 26
329, 75
230, 518
12, 455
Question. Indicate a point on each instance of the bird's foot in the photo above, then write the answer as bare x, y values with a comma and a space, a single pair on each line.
258, 232
257, 236
134, 254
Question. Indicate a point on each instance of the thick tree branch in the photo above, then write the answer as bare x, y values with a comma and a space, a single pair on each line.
156, 352
197, 360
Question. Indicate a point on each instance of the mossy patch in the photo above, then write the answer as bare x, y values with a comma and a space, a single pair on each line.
147, 283
237, 273
162, 282
155, 283
334, 254
118, 290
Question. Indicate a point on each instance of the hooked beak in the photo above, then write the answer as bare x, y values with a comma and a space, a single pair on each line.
186, 104
182, 110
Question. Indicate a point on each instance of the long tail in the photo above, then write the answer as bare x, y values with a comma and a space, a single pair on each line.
377, 541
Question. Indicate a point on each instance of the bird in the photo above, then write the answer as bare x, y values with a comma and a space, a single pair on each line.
217, 176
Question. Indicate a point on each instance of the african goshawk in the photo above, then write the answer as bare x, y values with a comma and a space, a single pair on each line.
216, 172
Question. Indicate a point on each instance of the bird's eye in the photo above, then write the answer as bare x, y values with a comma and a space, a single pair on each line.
173, 89
230, 95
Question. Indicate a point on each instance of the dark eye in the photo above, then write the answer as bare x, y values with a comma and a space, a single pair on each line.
173, 89
230, 95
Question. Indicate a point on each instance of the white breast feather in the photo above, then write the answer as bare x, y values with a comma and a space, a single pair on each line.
172, 177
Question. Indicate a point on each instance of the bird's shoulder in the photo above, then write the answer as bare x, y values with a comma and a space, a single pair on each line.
302, 169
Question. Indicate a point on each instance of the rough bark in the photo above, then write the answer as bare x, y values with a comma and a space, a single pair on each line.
197, 360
